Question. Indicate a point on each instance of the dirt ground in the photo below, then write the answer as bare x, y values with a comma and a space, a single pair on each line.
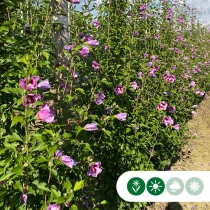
195, 156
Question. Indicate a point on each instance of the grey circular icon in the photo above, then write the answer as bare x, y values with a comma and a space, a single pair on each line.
175, 186
194, 186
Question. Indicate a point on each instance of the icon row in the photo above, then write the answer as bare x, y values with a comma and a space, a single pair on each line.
156, 186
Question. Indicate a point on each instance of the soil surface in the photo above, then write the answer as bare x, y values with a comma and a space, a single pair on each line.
195, 156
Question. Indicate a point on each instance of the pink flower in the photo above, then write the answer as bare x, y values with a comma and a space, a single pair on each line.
99, 98
193, 112
31, 84
67, 160
152, 72
139, 74
119, 89
30, 99
176, 127
197, 91
173, 67
195, 133
143, 7
95, 65
157, 36
96, 24
121, 116
94, 170
58, 153
193, 84
88, 37
162, 106
134, 85
91, 127
93, 42
84, 52
45, 114
169, 77
44, 85
53, 207
168, 121
75, 1
23, 198
172, 109
68, 47
202, 93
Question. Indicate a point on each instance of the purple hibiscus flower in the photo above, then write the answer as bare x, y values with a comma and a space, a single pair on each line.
99, 98
44, 85
119, 89
23, 198
167, 121
95, 65
162, 105
30, 99
91, 127
96, 24
45, 114
67, 160
94, 170
84, 52
133, 85
93, 43
121, 116
53, 207
31, 83
58, 153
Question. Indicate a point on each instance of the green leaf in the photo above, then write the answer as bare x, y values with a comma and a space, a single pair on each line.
61, 68
17, 119
87, 148
40, 147
15, 91
78, 129
104, 80
74, 207
45, 54
56, 193
128, 130
78, 185
6, 176
41, 159
13, 137
104, 202
67, 185
4, 29
37, 136
41, 186
18, 186
11, 146
80, 90
108, 133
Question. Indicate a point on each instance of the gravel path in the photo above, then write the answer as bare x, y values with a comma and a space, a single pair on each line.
195, 156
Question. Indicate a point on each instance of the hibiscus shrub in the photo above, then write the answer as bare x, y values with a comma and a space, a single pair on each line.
134, 75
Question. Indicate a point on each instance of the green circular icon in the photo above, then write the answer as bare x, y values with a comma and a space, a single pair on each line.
194, 186
175, 186
155, 186
136, 186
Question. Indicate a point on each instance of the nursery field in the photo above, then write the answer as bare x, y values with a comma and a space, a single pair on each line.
87, 95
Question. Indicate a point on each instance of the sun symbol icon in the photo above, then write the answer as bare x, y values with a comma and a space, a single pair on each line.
155, 186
